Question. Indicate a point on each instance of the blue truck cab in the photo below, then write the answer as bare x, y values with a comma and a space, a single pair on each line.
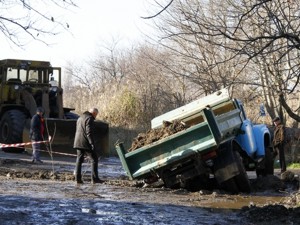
255, 140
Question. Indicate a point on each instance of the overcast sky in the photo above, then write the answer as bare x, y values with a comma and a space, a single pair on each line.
92, 23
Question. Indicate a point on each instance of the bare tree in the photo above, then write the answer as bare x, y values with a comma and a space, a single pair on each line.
79, 74
245, 34
110, 64
158, 90
25, 20
196, 59
131, 84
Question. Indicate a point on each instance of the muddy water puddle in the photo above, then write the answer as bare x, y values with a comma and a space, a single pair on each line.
43, 211
44, 200
50, 202
65, 203
238, 202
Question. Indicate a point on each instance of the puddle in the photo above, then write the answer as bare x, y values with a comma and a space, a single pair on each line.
239, 202
25, 210
42, 200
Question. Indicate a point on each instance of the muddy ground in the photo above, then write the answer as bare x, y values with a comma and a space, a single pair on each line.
47, 194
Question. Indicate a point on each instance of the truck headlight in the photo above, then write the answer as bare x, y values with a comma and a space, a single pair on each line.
17, 87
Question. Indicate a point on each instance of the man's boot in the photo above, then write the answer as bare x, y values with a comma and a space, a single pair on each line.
78, 178
95, 177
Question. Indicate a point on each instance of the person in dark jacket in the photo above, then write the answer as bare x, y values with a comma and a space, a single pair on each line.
36, 134
84, 143
278, 142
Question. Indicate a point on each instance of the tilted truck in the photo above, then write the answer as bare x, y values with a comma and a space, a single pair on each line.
219, 143
28, 84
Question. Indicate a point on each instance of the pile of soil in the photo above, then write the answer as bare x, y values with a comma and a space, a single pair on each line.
265, 183
271, 214
286, 211
153, 135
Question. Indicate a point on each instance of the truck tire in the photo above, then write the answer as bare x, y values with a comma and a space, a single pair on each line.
11, 130
169, 179
267, 167
269, 162
230, 186
242, 179
197, 183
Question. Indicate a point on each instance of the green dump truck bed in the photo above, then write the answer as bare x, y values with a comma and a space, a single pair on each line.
206, 135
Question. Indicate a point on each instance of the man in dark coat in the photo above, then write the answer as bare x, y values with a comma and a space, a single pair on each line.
36, 134
85, 145
278, 142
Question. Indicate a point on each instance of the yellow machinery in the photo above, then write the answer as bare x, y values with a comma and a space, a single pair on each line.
26, 85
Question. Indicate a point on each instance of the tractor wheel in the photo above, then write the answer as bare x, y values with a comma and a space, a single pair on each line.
242, 179
11, 130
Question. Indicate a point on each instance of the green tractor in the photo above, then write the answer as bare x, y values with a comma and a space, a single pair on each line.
26, 85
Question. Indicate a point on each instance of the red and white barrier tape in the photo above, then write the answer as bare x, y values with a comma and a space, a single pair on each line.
20, 144
29, 143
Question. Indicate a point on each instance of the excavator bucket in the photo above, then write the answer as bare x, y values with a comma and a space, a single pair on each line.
62, 132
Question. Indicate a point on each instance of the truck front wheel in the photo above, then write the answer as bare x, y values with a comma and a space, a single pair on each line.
230, 185
241, 179
267, 165
11, 130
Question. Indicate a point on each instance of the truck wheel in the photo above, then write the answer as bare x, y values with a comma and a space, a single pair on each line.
197, 183
242, 179
269, 162
11, 130
169, 180
267, 167
230, 186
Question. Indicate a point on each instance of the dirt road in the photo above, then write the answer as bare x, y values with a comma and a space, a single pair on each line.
46, 194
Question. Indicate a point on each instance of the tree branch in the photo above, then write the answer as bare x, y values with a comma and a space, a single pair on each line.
165, 8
